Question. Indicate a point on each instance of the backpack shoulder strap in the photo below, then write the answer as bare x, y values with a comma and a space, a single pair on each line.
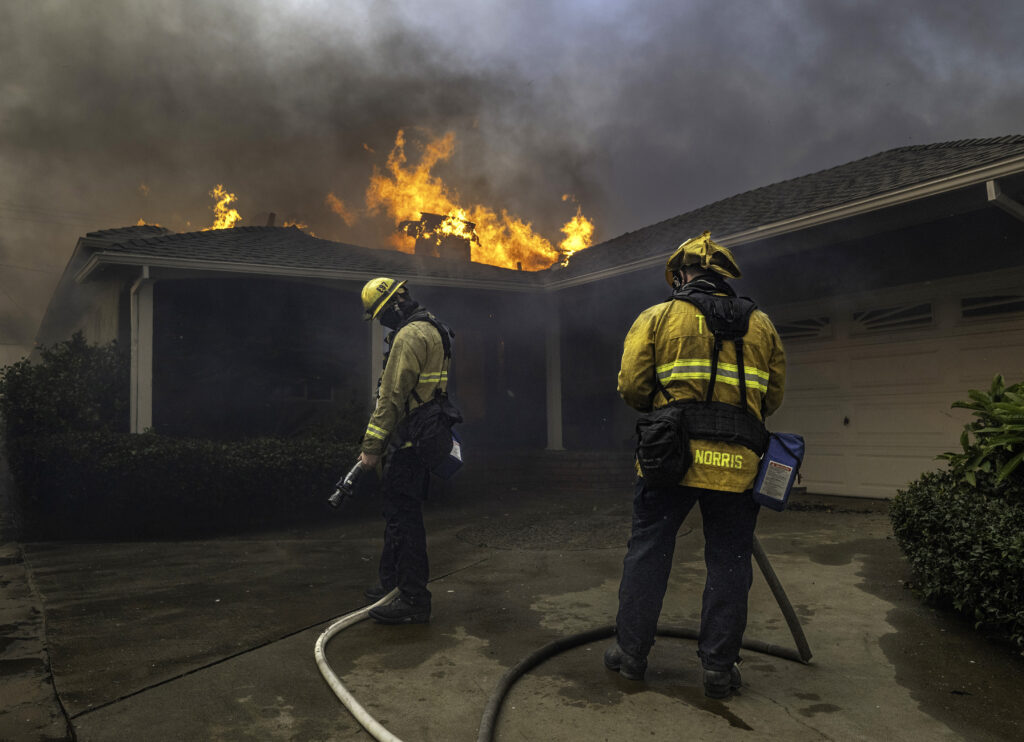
728, 318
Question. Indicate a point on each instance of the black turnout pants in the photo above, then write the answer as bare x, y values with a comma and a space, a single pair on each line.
403, 561
729, 520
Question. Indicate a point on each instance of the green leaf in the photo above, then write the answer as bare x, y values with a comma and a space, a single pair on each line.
1010, 465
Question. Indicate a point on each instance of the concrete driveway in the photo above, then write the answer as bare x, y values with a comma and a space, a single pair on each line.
213, 640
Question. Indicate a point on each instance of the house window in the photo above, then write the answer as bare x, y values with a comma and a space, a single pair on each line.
892, 318
991, 306
813, 328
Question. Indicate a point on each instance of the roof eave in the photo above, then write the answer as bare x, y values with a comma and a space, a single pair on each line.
100, 259
906, 195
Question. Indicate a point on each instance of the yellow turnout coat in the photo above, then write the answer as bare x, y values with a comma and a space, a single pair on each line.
671, 342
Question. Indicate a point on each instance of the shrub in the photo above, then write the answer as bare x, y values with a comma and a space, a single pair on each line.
73, 386
79, 473
962, 529
99, 484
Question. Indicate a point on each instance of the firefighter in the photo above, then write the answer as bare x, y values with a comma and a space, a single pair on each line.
669, 355
415, 371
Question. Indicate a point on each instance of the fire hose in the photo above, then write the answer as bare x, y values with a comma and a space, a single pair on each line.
489, 719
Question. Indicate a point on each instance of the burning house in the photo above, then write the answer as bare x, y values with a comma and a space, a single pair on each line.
895, 282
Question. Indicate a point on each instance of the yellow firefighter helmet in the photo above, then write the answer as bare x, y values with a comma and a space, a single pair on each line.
377, 293
705, 253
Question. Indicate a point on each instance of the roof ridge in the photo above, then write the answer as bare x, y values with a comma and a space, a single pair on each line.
948, 145
133, 229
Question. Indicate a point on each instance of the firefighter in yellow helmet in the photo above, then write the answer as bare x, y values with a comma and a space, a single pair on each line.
415, 373
670, 357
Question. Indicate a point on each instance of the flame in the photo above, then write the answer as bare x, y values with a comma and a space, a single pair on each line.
579, 235
300, 225
338, 206
404, 192
224, 217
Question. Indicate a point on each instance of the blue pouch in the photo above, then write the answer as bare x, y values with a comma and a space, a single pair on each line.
780, 467
452, 462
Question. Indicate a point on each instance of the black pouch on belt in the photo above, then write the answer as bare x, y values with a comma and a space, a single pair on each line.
429, 427
663, 446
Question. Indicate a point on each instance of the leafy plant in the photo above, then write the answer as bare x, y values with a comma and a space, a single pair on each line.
966, 548
998, 433
73, 386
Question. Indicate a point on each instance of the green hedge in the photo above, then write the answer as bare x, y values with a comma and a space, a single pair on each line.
102, 485
962, 529
80, 474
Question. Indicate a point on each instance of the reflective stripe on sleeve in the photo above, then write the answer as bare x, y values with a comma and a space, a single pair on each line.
433, 377
372, 431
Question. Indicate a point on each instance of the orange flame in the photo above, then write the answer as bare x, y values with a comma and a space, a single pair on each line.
299, 225
404, 192
224, 217
579, 235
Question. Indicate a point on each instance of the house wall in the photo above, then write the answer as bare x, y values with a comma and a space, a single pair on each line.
595, 320
237, 357
498, 376
241, 357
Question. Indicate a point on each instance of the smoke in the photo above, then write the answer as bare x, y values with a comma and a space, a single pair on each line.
114, 110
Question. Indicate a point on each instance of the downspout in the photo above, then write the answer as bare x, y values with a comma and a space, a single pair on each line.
553, 354
1004, 202
141, 300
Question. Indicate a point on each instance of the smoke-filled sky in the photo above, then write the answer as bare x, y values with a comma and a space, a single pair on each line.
116, 110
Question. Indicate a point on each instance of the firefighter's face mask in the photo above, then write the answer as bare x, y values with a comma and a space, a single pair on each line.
390, 316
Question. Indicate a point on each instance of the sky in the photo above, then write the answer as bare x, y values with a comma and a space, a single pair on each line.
113, 111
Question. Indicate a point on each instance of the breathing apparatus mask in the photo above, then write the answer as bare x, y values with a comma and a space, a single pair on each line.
398, 311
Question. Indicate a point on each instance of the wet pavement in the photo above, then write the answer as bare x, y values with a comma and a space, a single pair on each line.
213, 639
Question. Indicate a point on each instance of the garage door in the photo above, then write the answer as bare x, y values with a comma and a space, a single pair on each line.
871, 379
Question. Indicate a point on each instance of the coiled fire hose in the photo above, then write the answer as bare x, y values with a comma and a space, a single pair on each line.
489, 719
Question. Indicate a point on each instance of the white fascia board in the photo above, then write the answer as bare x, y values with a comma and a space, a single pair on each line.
817, 218
101, 258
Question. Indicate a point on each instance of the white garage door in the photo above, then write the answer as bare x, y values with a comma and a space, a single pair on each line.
871, 378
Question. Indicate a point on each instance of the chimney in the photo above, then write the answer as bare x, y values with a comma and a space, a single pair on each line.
430, 241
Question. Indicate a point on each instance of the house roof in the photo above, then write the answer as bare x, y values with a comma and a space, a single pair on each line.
889, 178
886, 179
284, 251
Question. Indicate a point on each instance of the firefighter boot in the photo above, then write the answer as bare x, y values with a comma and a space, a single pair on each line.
376, 592
400, 610
626, 665
720, 684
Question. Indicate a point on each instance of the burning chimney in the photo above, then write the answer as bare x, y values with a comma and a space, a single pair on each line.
440, 236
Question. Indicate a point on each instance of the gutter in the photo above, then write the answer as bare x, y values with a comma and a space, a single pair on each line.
100, 258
